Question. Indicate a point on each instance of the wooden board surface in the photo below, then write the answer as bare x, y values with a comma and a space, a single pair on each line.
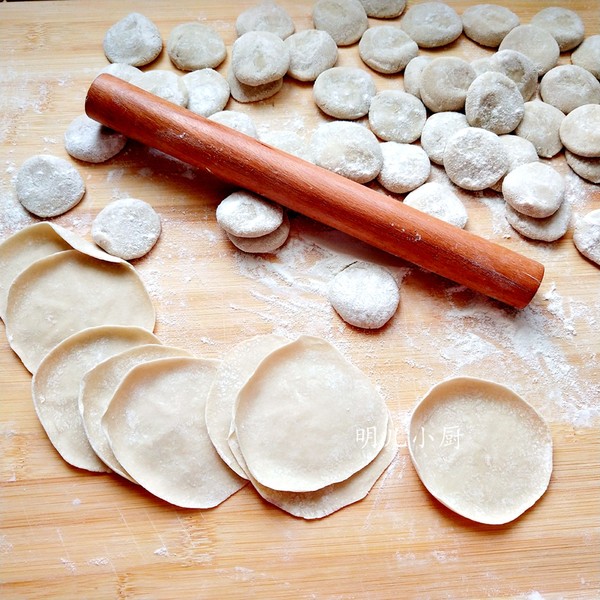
71, 534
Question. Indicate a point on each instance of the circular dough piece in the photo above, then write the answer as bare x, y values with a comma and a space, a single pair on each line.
89, 141
587, 168
156, 428
540, 125
580, 131
96, 390
55, 387
252, 93
488, 24
298, 417
344, 20
288, 141
312, 51
127, 228
480, 449
193, 46
438, 201
475, 158
348, 149
66, 292
134, 40
397, 116
444, 83
265, 243
565, 26
164, 84
412, 74
208, 91
387, 49
48, 186
405, 167
364, 295
520, 152
236, 120
588, 55
122, 71
259, 58
248, 215
344, 92
432, 24
536, 44
586, 236
568, 87
494, 102
437, 130
384, 9
518, 67
266, 16
534, 189
549, 229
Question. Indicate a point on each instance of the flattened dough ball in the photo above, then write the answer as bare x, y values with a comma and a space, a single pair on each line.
259, 58
164, 84
236, 120
193, 46
444, 83
586, 236
134, 40
565, 26
432, 24
549, 229
384, 9
252, 93
437, 130
405, 167
245, 214
387, 49
488, 24
480, 449
520, 152
412, 74
580, 131
540, 125
208, 91
344, 20
48, 186
397, 116
518, 67
312, 51
587, 168
266, 16
535, 43
264, 243
568, 86
89, 141
438, 201
588, 55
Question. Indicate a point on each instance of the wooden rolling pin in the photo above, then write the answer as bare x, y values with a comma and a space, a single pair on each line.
315, 192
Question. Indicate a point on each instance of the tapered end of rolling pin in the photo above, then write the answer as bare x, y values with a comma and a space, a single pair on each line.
315, 192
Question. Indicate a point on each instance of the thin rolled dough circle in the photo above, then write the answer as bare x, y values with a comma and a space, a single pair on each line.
89, 141
66, 292
580, 131
194, 46
432, 24
344, 20
55, 387
208, 91
156, 428
586, 236
312, 51
134, 40
298, 417
248, 215
480, 449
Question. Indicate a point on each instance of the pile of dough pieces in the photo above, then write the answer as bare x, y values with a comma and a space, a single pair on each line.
293, 417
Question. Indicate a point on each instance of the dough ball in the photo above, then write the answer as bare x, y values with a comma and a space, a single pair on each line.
384, 9
344, 92
475, 158
164, 84
48, 186
397, 116
89, 141
264, 243
518, 67
444, 83
259, 58
438, 201
348, 149
405, 167
248, 215
412, 74
536, 44
289, 142
587, 168
437, 130
580, 131
488, 24
208, 91
568, 86
344, 20
549, 229
587, 55
127, 228
482, 65
252, 93
122, 71
312, 51
193, 46
586, 236
387, 49
520, 152
266, 16
540, 125
565, 26
432, 24
236, 120
134, 40
494, 102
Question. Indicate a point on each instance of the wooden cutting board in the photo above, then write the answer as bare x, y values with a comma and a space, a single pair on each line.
71, 534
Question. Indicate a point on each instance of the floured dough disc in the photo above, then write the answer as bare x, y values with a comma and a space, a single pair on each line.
208, 91
384, 9
236, 120
55, 387
536, 44
588, 55
134, 40
288, 141
565, 26
194, 46
520, 152
312, 51
164, 84
156, 428
412, 74
569, 86
480, 449
587, 168
259, 58
437, 130
121, 70
540, 125
266, 16
432, 24
89, 141
252, 93
66, 292
344, 20
397, 116
580, 131
438, 201
300, 416
387, 49
444, 83
405, 167
518, 67
245, 214
264, 243
549, 229
488, 24
586, 236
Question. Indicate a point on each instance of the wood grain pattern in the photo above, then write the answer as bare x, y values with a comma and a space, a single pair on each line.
70, 534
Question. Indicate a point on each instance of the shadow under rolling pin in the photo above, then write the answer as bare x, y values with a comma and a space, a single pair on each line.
315, 192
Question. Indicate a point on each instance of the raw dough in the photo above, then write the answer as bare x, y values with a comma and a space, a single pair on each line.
565, 26
588, 55
405, 167
164, 84
364, 295
438, 201
383, 9
520, 152
312, 51
259, 58
208, 91
518, 67
397, 116
89, 141
412, 74
480, 449
299, 418
236, 120
344, 92
194, 46
540, 125
288, 141
252, 93
127, 228
549, 229
569, 86
48, 186
245, 214
266, 16
444, 83
66, 292
432, 24
387, 49
55, 387
535, 43
580, 131
587, 168
156, 429
265, 243
122, 71
134, 40
488, 24
586, 236
438, 129
344, 20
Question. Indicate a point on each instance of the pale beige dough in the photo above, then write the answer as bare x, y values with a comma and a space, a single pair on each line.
480, 449
440, 202
55, 387
588, 55
387, 48
549, 229
540, 125
432, 24
383, 9
121, 70
405, 167
89, 141
518, 67
412, 74
156, 429
586, 236
193, 46
437, 130
236, 120
344, 20
252, 93
288, 141
587, 168
396, 116
580, 131
444, 83
569, 86
565, 26
208, 91
63, 293
264, 243
520, 152
488, 24
312, 51
259, 58
535, 43
298, 418
266, 16
164, 84
134, 40
248, 215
